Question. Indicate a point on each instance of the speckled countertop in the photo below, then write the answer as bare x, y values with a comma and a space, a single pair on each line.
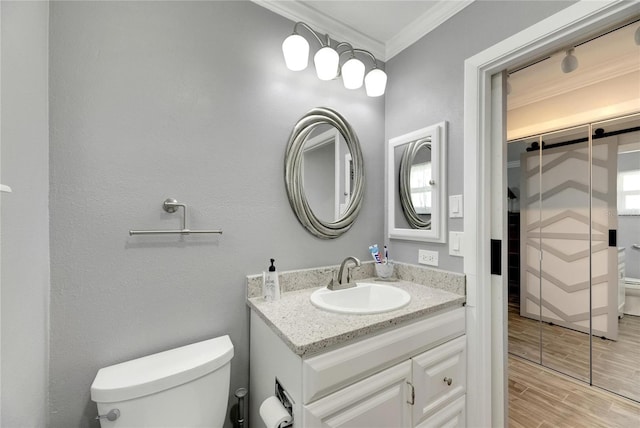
308, 330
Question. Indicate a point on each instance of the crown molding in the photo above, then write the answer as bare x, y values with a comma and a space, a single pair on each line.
322, 23
588, 116
423, 25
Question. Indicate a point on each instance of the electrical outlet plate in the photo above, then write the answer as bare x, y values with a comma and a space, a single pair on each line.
426, 257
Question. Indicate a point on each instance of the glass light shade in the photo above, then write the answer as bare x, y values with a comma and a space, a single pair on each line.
326, 61
353, 73
569, 63
375, 82
296, 52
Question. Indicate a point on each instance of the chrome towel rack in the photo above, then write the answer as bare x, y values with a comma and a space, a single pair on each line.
170, 205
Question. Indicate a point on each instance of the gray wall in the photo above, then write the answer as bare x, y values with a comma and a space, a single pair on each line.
629, 225
426, 86
151, 100
25, 214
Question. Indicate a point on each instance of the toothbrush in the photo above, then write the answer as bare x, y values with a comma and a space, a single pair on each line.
372, 251
375, 253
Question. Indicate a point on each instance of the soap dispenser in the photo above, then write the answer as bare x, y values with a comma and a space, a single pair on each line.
270, 284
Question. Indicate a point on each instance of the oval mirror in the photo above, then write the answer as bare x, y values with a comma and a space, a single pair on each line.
324, 173
416, 183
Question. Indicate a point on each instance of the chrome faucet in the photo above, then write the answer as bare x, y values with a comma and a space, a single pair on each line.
337, 284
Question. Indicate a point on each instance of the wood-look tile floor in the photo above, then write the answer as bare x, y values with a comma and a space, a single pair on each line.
542, 398
616, 364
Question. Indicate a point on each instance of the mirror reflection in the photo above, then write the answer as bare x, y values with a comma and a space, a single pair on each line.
575, 199
327, 172
416, 181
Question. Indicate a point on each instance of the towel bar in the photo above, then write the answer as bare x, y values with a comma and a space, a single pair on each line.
171, 205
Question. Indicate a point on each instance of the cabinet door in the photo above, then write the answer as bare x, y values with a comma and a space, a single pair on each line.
379, 401
439, 378
451, 416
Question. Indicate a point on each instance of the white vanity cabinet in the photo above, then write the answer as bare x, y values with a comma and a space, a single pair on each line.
410, 376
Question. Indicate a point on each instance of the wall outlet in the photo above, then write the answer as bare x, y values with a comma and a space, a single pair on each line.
426, 257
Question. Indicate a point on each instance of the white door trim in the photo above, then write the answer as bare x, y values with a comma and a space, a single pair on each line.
549, 35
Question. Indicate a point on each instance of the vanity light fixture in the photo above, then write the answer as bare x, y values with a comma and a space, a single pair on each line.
327, 61
352, 70
296, 52
569, 62
375, 82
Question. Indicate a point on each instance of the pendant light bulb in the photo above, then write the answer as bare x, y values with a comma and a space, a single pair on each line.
375, 82
569, 62
326, 61
353, 73
296, 52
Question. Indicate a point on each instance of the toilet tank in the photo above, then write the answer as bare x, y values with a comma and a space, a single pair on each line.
185, 387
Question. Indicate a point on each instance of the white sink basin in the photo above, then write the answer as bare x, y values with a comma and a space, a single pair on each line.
364, 298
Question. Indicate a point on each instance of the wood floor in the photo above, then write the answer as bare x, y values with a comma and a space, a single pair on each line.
542, 398
616, 364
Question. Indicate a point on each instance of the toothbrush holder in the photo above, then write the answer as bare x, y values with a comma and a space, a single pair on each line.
384, 271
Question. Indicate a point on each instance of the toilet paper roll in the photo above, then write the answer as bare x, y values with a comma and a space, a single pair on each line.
273, 413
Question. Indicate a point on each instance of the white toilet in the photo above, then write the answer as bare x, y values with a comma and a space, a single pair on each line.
186, 387
632, 296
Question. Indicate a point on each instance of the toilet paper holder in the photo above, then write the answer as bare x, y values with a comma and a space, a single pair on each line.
284, 397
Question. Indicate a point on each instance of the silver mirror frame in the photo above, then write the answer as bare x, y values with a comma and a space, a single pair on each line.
406, 162
437, 232
293, 178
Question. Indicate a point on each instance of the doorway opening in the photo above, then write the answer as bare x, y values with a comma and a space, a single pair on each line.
566, 267
484, 188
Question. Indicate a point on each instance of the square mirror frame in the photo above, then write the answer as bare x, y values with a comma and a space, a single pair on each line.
437, 233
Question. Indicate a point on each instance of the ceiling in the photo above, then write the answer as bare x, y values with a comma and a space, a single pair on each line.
612, 55
383, 27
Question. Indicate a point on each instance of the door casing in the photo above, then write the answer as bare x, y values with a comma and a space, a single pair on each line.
486, 368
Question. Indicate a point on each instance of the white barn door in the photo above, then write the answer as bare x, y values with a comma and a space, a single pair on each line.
568, 272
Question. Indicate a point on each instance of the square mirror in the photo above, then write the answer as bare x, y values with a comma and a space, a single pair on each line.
416, 185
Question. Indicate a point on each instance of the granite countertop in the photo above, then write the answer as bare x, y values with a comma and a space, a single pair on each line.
308, 330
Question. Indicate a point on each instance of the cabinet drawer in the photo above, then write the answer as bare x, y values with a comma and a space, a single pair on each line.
380, 401
439, 377
336, 369
453, 415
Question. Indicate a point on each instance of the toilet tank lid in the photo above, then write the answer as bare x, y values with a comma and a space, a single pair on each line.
158, 372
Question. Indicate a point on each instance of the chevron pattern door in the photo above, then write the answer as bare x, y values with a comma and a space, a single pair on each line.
565, 274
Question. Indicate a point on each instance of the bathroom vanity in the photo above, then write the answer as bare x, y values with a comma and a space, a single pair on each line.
404, 368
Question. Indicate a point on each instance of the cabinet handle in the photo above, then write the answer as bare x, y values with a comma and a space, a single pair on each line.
448, 381
413, 394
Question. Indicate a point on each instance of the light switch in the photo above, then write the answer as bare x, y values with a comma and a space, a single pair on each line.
455, 243
455, 206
